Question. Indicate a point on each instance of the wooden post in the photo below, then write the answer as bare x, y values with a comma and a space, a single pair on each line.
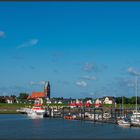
115, 114
81, 113
69, 110
50, 112
94, 113
84, 113
62, 112
111, 113
102, 112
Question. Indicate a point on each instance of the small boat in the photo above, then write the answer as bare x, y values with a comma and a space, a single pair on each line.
123, 121
135, 118
36, 112
70, 117
106, 115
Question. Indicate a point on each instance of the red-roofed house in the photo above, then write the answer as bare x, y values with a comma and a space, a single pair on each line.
45, 94
38, 95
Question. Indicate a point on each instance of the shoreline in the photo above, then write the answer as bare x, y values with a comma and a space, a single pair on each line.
9, 113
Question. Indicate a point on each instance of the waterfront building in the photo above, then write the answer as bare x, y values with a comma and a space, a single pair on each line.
98, 103
37, 96
108, 100
9, 100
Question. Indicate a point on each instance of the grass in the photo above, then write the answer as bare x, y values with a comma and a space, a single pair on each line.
9, 112
13, 105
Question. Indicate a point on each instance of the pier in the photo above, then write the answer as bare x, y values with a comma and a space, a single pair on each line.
101, 114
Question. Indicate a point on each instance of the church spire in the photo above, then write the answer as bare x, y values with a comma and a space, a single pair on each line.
47, 89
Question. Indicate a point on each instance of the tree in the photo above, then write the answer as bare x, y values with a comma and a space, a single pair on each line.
118, 100
133, 100
13, 96
23, 96
2, 100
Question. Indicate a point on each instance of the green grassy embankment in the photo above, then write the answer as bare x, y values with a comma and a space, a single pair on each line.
10, 108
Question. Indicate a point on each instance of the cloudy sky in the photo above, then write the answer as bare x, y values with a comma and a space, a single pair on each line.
85, 49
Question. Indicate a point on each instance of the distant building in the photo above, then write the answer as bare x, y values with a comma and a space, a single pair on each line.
47, 90
9, 100
109, 100
45, 94
98, 103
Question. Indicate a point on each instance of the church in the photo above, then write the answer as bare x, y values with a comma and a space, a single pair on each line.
43, 94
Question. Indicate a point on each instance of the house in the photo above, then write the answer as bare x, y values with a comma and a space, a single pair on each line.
43, 94
48, 101
9, 100
98, 103
38, 101
109, 100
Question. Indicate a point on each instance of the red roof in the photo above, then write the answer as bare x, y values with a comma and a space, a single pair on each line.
88, 104
79, 104
37, 95
73, 104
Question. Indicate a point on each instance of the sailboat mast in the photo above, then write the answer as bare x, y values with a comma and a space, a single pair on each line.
122, 107
136, 89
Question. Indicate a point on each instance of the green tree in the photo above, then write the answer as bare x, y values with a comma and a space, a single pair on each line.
2, 100
118, 100
133, 100
23, 96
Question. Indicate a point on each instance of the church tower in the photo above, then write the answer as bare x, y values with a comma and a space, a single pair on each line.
47, 89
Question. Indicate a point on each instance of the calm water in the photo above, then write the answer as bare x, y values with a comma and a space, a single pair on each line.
19, 126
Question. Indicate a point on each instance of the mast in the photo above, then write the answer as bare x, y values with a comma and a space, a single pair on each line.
122, 107
136, 90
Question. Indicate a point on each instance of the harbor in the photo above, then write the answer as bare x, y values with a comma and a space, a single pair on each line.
102, 115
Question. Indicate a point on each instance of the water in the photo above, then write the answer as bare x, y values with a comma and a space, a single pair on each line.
20, 126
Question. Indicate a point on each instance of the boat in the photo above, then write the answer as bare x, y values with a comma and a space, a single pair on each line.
106, 115
69, 117
36, 112
123, 121
135, 118
23, 110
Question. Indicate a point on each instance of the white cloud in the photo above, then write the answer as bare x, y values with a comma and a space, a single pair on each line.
133, 71
37, 83
41, 82
81, 83
29, 43
89, 77
88, 67
2, 34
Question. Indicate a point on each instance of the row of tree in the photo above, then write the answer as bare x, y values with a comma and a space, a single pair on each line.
126, 100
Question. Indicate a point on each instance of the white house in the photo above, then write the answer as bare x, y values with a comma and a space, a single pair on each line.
89, 101
98, 103
109, 100
9, 101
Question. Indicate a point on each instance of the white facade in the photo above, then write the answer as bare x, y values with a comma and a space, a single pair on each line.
98, 101
107, 101
9, 101
59, 102
89, 101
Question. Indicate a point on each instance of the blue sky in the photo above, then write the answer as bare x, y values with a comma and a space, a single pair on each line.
85, 49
